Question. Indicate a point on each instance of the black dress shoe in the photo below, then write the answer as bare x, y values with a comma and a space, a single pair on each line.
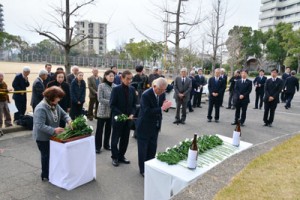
259, 108
242, 124
44, 178
266, 124
270, 125
199, 106
97, 151
209, 120
107, 148
176, 122
232, 108
286, 107
254, 108
182, 122
216, 120
191, 110
228, 107
124, 160
142, 174
115, 162
233, 123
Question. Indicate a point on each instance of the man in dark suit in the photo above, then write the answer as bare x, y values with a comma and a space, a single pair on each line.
194, 88
273, 87
153, 102
122, 101
284, 76
215, 87
200, 81
50, 76
38, 88
73, 75
182, 88
290, 86
243, 88
232, 95
93, 83
153, 76
259, 84
224, 77
20, 83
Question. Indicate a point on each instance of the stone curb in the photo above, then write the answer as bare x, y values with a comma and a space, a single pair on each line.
13, 129
208, 185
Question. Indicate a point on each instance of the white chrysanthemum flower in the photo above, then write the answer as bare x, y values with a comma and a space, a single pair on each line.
187, 139
92, 128
180, 143
116, 117
175, 146
84, 117
168, 148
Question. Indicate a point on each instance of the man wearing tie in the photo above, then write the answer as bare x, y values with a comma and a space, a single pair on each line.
215, 87
200, 81
182, 88
259, 84
153, 102
273, 87
243, 88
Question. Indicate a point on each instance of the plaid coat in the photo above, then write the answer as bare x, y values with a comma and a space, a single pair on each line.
104, 92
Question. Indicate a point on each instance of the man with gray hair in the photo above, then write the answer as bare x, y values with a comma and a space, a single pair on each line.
182, 88
153, 102
4, 100
20, 83
38, 88
71, 77
93, 83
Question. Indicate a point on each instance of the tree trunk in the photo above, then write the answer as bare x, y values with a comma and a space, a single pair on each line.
177, 56
67, 39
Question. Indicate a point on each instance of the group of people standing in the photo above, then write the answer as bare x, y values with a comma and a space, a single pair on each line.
188, 88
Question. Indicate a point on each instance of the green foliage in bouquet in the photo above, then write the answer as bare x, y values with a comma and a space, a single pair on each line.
79, 128
121, 118
174, 155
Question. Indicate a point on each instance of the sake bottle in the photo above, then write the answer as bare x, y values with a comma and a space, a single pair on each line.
193, 154
237, 133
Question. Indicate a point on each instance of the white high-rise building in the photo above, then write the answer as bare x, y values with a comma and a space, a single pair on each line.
276, 11
1, 19
98, 31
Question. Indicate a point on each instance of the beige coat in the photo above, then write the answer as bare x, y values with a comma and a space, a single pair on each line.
92, 86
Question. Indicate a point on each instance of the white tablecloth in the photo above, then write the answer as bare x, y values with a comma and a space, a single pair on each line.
73, 163
162, 181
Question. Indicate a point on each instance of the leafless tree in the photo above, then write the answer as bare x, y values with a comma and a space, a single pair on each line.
216, 23
61, 17
234, 47
182, 28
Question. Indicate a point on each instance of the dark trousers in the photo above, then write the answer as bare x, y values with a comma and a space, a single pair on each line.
269, 113
21, 106
146, 150
76, 110
93, 103
241, 105
231, 99
190, 101
120, 135
197, 98
283, 96
289, 98
222, 98
181, 103
99, 133
44, 147
214, 102
259, 95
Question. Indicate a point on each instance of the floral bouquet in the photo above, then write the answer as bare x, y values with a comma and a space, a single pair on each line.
121, 118
78, 129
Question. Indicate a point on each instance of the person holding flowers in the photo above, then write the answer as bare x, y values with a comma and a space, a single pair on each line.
46, 119
104, 111
122, 101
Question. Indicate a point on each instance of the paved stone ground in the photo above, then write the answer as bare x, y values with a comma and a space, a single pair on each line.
20, 162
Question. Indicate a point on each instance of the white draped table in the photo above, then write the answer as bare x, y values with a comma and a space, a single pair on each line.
162, 181
72, 164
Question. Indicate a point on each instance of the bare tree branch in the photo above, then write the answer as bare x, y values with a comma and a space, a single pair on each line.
81, 5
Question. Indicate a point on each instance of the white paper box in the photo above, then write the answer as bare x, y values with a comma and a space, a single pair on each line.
12, 108
72, 164
236, 138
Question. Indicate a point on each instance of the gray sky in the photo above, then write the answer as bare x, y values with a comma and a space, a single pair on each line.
122, 14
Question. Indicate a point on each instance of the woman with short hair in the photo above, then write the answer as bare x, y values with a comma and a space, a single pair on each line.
46, 119
78, 87
104, 111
